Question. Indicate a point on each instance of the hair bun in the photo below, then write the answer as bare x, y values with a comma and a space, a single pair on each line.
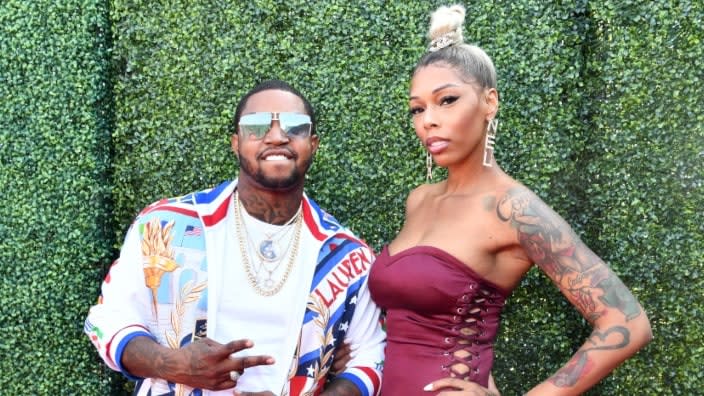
446, 27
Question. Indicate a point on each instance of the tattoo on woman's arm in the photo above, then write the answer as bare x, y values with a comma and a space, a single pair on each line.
554, 247
616, 337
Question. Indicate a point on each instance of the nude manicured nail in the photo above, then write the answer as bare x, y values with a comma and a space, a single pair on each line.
428, 387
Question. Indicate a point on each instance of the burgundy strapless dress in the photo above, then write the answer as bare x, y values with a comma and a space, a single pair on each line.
441, 319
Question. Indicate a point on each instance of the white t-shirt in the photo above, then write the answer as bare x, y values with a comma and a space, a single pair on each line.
273, 323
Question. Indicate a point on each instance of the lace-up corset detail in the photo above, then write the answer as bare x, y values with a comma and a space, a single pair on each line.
472, 332
441, 319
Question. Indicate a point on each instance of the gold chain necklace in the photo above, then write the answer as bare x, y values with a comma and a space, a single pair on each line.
267, 250
269, 264
245, 256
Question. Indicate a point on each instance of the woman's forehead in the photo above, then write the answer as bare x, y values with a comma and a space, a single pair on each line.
430, 79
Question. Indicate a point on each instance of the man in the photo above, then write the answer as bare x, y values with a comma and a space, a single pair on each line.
249, 285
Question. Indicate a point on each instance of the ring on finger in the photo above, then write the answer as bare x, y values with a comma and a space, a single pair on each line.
234, 375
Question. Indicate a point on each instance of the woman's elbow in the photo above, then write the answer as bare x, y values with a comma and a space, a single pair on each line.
642, 332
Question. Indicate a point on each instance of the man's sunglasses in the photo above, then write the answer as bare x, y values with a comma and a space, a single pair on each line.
256, 125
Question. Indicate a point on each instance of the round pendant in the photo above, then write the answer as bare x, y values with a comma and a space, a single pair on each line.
269, 283
267, 250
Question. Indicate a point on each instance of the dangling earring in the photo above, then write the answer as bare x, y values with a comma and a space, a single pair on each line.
428, 166
489, 141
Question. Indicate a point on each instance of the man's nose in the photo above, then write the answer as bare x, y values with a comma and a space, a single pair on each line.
276, 134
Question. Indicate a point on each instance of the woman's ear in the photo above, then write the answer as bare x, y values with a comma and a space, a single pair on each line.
492, 101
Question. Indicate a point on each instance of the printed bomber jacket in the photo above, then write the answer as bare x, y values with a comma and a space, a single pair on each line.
163, 286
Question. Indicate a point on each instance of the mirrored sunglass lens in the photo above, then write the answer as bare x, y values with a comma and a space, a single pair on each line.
299, 130
257, 124
295, 124
256, 118
257, 131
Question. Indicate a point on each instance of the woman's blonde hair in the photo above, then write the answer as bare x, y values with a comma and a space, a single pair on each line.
447, 47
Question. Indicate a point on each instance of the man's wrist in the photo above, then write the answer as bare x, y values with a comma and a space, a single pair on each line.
146, 358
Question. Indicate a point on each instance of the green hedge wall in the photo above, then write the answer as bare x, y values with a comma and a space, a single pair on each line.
646, 172
55, 216
601, 115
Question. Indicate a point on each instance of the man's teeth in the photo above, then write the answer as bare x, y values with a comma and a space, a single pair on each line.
275, 158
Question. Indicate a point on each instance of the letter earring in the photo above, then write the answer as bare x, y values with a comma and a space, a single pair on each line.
489, 141
428, 166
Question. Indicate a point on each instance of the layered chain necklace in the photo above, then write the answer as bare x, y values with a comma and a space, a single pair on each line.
268, 252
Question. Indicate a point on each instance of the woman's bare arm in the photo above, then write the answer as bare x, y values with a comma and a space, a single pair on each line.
621, 327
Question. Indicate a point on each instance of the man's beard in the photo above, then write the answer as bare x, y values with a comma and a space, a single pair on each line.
292, 180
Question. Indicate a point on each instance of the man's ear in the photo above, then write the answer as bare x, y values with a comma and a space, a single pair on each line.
314, 143
235, 144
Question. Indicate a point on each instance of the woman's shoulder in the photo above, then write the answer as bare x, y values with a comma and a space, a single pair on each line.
506, 187
517, 201
415, 197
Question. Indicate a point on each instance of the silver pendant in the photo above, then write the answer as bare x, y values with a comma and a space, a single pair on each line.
267, 250
269, 283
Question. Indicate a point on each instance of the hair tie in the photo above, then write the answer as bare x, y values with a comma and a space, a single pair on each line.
444, 40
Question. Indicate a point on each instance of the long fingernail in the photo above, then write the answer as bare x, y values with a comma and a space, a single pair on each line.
428, 387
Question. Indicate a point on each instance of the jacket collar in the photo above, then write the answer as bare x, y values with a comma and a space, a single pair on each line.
213, 204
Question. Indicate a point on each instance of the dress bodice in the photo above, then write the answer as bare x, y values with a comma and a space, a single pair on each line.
441, 317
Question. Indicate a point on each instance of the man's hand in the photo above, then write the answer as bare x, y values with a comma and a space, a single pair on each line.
204, 364
342, 356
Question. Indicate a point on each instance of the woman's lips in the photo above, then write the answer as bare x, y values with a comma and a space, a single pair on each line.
436, 145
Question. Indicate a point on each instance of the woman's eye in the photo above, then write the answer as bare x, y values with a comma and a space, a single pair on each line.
449, 99
415, 110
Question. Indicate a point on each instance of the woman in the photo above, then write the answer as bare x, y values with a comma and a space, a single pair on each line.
468, 240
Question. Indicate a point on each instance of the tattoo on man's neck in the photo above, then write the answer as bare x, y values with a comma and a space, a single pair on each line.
264, 211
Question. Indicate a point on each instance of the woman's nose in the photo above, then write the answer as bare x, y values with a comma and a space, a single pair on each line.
429, 118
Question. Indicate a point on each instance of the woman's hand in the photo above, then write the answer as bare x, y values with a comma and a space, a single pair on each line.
457, 387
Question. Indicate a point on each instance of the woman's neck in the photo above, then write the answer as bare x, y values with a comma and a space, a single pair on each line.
468, 179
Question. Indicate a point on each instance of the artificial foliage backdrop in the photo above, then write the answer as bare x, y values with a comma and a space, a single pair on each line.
106, 106
55, 210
